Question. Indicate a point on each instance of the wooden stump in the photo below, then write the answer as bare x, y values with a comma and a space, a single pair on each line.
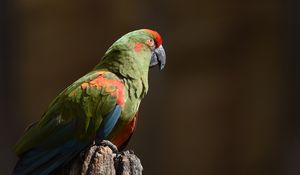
101, 160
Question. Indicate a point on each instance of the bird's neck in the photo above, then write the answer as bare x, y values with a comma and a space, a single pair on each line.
126, 66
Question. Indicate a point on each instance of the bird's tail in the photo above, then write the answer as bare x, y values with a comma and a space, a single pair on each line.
43, 162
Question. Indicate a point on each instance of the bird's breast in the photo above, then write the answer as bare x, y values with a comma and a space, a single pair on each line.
122, 134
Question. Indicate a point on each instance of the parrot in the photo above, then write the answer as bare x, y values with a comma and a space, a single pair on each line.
101, 105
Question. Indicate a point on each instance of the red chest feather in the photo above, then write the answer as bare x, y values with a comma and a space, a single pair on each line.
121, 137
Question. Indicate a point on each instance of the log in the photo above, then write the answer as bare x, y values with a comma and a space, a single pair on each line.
102, 160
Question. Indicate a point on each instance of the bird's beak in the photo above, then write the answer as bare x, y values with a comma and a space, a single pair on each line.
158, 57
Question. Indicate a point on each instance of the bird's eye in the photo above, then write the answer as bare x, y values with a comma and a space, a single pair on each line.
150, 43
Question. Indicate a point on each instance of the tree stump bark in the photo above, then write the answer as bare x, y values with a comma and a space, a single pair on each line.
101, 160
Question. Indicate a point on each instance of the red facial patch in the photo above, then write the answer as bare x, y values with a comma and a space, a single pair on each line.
138, 47
156, 36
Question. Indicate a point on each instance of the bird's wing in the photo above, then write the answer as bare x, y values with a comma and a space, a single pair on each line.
72, 121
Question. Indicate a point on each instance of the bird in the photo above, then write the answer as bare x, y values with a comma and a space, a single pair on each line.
101, 105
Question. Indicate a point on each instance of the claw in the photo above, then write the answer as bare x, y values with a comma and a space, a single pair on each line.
109, 144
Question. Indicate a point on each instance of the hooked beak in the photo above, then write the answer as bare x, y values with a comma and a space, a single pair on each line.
158, 57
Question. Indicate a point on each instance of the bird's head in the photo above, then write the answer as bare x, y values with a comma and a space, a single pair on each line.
140, 47
158, 56
132, 54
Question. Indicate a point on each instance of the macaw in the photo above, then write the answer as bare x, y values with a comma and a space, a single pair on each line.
101, 105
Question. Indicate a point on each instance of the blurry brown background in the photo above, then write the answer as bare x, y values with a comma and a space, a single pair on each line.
224, 105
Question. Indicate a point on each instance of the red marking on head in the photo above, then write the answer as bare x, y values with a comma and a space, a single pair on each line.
114, 87
138, 47
156, 36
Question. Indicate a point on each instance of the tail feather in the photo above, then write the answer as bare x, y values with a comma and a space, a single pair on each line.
37, 162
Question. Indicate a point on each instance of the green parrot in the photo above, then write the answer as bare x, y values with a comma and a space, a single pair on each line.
101, 105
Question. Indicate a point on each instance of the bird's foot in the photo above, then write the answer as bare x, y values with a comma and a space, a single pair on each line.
109, 144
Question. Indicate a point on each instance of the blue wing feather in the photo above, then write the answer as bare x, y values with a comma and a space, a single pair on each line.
109, 123
42, 162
